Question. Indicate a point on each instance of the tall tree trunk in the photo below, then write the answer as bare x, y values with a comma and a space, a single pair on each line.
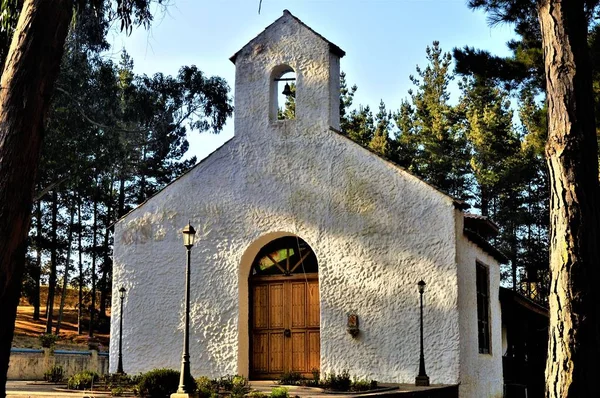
107, 264
53, 260
66, 277
94, 240
80, 281
38, 261
574, 343
27, 81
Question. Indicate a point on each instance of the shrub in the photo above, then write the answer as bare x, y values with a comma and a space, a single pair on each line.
225, 382
363, 384
316, 378
48, 340
290, 378
115, 380
82, 380
339, 382
207, 387
257, 394
240, 387
160, 383
279, 392
117, 391
55, 374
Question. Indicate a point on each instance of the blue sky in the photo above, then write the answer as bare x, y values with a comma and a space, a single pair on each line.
384, 40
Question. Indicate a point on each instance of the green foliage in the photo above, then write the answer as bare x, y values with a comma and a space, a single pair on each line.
239, 387
279, 392
160, 383
257, 394
206, 387
338, 382
290, 378
117, 391
288, 112
55, 374
363, 384
48, 340
440, 156
83, 380
114, 380
235, 386
316, 377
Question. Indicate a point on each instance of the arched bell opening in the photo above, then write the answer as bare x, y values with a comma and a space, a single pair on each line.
283, 93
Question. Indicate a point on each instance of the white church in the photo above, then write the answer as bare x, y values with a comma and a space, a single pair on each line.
308, 248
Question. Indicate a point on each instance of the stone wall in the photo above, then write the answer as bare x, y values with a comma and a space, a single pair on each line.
30, 364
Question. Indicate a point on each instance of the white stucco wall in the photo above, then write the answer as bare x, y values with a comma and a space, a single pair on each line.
376, 232
480, 374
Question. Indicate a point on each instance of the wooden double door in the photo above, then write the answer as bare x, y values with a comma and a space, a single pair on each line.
285, 321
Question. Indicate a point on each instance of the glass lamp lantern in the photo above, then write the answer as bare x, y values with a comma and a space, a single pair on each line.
421, 285
189, 234
122, 291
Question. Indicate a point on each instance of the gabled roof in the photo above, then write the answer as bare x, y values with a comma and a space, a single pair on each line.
332, 47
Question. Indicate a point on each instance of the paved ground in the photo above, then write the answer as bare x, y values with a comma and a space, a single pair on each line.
22, 389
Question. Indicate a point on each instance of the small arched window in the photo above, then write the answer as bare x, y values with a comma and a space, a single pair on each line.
285, 256
283, 93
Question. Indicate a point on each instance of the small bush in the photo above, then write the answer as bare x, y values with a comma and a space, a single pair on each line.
206, 387
279, 392
55, 374
115, 380
225, 382
257, 394
240, 387
117, 391
48, 340
161, 383
339, 382
316, 378
82, 380
290, 378
363, 384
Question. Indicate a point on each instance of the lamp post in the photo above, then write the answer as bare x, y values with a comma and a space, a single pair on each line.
189, 233
122, 297
422, 379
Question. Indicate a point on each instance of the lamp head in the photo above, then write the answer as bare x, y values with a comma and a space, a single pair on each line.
189, 234
421, 285
122, 291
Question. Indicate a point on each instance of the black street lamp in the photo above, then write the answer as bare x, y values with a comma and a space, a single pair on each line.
122, 297
422, 379
189, 233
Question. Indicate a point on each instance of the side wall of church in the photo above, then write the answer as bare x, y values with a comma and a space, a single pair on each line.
375, 229
480, 374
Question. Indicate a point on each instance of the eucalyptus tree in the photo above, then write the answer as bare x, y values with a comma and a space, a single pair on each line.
31, 66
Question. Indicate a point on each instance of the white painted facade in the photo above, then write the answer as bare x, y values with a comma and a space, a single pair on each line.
376, 231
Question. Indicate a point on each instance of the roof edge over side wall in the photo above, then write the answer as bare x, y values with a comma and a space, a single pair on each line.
333, 48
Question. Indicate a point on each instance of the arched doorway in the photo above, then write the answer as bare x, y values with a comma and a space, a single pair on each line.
284, 310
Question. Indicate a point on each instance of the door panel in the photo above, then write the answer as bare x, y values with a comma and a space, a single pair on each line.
260, 356
298, 304
276, 306
276, 352
299, 352
285, 326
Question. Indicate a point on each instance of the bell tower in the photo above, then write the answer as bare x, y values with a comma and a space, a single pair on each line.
286, 48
